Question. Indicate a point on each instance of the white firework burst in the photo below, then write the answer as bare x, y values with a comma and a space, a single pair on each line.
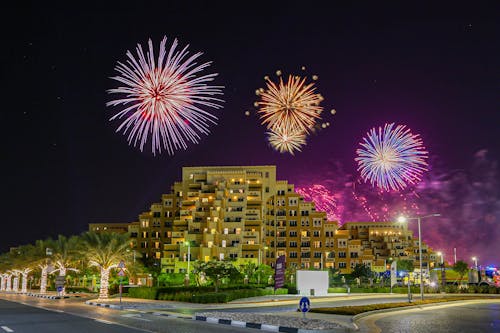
164, 101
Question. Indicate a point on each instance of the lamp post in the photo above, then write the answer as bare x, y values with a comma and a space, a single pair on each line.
187, 280
441, 264
477, 269
418, 218
324, 257
260, 262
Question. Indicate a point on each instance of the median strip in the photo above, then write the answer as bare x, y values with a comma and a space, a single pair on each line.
357, 309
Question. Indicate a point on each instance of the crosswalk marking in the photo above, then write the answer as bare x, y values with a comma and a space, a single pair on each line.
7, 329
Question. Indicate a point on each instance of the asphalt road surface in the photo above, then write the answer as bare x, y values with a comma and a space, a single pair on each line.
472, 317
38, 315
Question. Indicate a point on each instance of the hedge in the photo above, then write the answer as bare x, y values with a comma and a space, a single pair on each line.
200, 295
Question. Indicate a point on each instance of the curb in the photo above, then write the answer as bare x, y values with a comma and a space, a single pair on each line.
46, 296
264, 327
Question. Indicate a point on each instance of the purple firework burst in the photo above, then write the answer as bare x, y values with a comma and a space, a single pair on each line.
391, 158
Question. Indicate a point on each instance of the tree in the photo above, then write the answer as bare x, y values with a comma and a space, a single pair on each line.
248, 269
461, 268
105, 251
66, 253
216, 271
361, 271
41, 261
263, 272
405, 265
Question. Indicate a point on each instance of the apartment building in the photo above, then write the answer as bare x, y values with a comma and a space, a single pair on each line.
244, 213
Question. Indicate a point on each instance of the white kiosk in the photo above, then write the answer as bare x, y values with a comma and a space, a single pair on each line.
313, 283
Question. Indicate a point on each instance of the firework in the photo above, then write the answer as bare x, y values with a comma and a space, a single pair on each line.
391, 158
164, 101
286, 141
293, 105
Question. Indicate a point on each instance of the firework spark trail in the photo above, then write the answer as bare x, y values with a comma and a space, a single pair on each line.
391, 159
323, 199
164, 101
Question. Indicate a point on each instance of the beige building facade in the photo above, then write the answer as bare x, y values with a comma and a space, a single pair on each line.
245, 214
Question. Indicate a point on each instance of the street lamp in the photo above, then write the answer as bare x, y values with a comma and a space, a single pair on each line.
189, 261
477, 269
418, 218
324, 257
260, 262
441, 263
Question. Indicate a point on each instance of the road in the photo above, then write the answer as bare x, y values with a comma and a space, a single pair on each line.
470, 317
72, 315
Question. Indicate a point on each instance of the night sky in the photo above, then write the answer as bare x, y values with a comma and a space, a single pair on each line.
434, 69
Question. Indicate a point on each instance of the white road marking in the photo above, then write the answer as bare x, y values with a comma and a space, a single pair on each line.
7, 329
135, 316
104, 321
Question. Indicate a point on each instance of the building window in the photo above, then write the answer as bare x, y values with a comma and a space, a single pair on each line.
317, 254
342, 255
223, 243
293, 244
342, 265
292, 223
293, 254
317, 244
305, 255
316, 233
293, 233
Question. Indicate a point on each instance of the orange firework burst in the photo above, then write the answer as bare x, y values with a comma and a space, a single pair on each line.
293, 105
286, 141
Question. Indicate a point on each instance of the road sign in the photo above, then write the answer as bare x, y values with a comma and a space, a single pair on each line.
59, 289
304, 304
60, 280
121, 273
121, 264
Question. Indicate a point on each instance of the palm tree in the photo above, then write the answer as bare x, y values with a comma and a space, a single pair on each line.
40, 252
66, 253
106, 251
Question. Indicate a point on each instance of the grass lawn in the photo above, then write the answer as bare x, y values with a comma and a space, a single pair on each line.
357, 309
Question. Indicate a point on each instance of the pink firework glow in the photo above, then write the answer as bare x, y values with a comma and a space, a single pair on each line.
164, 101
468, 201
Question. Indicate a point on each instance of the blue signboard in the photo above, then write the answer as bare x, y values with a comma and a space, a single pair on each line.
304, 304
